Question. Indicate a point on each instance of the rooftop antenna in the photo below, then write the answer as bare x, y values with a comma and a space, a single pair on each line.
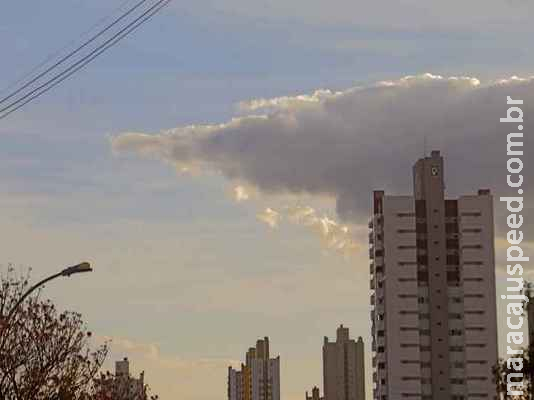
424, 146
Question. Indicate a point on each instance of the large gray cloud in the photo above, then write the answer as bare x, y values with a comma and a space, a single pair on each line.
346, 144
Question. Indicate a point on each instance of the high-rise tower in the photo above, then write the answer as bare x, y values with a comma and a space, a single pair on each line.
259, 377
433, 291
343, 367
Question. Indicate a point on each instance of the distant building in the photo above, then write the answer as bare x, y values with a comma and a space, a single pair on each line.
433, 299
259, 377
315, 394
135, 387
122, 385
343, 367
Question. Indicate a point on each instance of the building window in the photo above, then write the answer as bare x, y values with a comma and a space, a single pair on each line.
452, 243
451, 227
405, 230
471, 247
404, 247
405, 214
471, 214
453, 259
471, 230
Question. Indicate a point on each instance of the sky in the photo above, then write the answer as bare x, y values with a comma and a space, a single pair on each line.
187, 274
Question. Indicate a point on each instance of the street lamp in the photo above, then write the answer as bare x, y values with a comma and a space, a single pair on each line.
67, 272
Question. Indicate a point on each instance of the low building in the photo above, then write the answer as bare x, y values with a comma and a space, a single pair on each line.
315, 394
121, 385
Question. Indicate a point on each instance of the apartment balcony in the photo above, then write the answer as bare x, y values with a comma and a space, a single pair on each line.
379, 325
380, 357
381, 341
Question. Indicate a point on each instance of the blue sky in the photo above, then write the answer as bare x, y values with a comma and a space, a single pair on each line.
180, 266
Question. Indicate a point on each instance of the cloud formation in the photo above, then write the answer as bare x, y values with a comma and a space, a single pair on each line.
346, 144
335, 236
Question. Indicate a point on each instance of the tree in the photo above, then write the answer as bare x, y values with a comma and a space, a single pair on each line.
44, 354
501, 370
500, 373
111, 387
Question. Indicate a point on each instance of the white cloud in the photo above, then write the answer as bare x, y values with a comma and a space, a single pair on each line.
270, 217
346, 144
334, 235
241, 193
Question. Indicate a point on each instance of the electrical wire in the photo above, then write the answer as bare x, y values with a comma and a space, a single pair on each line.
56, 53
51, 83
75, 51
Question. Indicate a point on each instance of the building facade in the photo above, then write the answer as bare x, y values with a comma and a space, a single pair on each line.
122, 385
343, 367
434, 324
259, 377
315, 394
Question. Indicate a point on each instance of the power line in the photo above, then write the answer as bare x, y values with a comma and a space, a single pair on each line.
75, 51
56, 53
84, 61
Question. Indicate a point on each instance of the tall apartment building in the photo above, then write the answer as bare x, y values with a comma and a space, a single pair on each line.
433, 299
343, 367
259, 377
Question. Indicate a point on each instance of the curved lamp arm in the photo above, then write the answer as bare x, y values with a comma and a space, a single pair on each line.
75, 269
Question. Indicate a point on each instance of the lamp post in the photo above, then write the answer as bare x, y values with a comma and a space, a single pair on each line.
67, 272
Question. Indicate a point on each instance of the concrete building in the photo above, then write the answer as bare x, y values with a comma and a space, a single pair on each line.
433, 302
343, 367
134, 387
259, 377
315, 394
122, 385
530, 319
